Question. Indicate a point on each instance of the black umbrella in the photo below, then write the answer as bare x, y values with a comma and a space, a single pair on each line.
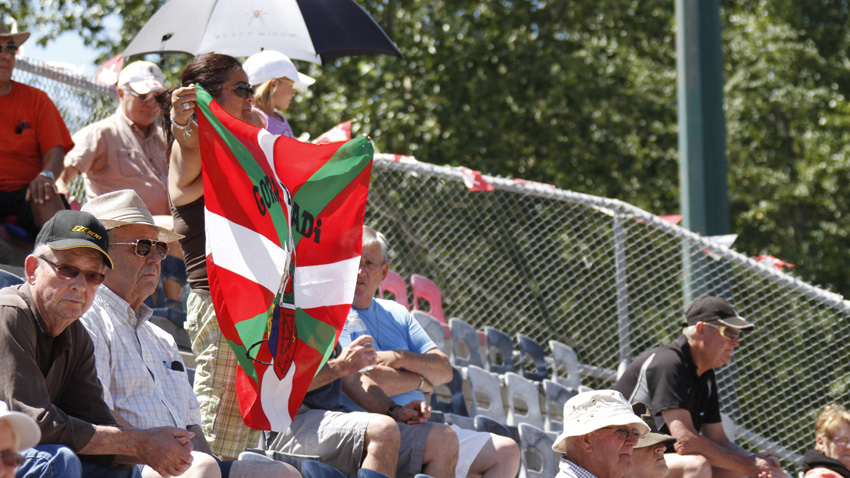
317, 31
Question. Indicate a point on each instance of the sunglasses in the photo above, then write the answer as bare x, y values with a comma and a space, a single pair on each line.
730, 333
143, 98
9, 48
144, 247
243, 91
11, 459
623, 433
68, 271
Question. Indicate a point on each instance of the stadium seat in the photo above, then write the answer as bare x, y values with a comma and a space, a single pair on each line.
538, 458
523, 401
564, 365
556, 396
364, 473
317, 469
488, 425
465, 344
395, 285
466, 423
7, 279
486, 392
433, 328
532, 359
256, 454
500, 351
448, 398
425, 289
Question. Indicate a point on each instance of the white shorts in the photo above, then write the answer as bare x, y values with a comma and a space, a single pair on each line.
470, 443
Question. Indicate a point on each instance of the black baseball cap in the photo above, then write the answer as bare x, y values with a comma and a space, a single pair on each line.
716, 309
653, 437
72, 229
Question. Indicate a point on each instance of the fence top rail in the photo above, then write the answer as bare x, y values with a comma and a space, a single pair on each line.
72, 79
621, 210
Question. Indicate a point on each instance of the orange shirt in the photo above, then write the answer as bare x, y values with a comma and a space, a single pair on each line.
30, 125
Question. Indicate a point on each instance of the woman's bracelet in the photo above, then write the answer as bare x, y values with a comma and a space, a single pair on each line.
187, 130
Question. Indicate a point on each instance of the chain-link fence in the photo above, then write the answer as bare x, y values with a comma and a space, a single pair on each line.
602, 276
612, 281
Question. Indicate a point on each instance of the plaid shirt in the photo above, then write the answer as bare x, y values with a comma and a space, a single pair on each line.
571, 470
144, 379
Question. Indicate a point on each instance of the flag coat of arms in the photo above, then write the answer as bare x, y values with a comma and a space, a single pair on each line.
283, 225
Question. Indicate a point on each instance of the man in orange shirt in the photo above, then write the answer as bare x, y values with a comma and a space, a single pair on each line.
33, 143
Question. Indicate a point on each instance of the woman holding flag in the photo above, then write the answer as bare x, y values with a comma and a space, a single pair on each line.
215, 380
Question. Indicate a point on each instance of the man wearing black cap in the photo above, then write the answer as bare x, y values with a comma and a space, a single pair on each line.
48, 362
677, 381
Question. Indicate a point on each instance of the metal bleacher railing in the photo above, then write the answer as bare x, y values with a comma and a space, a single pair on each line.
606, 278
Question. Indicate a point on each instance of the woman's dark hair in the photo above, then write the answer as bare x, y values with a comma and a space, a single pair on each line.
210, 71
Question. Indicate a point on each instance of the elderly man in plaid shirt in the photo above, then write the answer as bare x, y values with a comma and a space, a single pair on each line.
144, 379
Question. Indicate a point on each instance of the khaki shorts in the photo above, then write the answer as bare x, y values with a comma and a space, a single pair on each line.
338, 438
215, 381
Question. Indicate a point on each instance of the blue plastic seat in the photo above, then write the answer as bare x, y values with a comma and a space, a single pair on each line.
317, 469
500, 351
532, 359
364, 473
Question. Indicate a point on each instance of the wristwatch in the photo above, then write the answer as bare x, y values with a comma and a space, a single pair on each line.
48, 174
392, 409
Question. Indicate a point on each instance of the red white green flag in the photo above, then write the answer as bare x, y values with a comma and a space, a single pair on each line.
281, 318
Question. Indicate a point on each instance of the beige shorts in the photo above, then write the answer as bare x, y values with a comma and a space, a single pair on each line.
337, 439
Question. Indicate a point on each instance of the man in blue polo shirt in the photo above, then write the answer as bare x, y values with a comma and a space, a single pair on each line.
409, 364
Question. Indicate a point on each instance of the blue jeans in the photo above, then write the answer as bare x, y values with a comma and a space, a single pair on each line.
57, 461
49, 461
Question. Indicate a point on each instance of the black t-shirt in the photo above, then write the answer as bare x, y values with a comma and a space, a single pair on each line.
665, 378
327, 397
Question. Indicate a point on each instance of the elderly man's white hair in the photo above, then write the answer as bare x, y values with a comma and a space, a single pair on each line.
370, 235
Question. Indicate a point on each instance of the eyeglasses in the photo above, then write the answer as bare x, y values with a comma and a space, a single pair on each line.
623, 433
370, 266
144, 246
730, 333
840, 441
243, 91
68, 271
9, 48
143, 98
11, 459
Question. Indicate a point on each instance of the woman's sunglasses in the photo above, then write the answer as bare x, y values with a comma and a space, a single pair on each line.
144, 247
243, 91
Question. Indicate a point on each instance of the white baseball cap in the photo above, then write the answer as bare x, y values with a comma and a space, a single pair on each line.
24, 426
269, 64
142, 76
590, 411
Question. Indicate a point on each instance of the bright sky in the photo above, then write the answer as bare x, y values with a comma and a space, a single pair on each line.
68, 48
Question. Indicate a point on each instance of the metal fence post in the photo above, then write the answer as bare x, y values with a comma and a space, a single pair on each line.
622, 294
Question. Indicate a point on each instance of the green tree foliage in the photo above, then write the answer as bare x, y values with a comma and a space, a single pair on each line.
583, 95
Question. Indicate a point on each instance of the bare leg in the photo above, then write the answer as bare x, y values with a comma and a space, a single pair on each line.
203, 466
724, 473
382, 444
440, 455
687, 466
498, 458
